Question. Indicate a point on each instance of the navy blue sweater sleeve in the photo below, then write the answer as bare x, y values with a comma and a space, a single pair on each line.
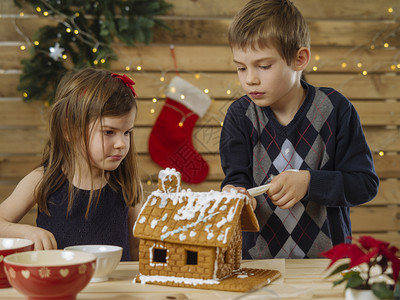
235, 147
351, 180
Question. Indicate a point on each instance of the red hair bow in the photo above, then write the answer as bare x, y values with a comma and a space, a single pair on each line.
128, 82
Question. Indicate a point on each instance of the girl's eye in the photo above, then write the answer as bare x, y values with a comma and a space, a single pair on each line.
265, 67
127, 132
108, 132
241, 69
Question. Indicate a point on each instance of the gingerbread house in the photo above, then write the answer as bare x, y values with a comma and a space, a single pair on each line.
191, 238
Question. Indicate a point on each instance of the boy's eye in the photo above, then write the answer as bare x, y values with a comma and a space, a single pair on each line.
266, 67
241, 69
127, 132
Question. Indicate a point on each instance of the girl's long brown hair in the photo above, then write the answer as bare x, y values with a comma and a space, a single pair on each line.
81, 98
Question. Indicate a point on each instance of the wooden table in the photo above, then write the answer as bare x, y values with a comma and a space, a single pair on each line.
301, 279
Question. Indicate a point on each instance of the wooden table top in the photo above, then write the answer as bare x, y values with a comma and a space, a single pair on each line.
301, 279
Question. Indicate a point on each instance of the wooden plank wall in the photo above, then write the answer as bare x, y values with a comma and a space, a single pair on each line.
347, 38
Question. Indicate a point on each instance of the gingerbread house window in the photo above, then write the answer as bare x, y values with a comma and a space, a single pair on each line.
160, 255
191, 257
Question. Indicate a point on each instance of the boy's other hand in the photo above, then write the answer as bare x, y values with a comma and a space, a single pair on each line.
289, 187
242, 190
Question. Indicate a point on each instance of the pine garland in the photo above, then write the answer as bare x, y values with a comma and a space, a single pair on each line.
83, 37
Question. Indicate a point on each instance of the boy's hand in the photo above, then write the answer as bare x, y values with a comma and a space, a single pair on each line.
288, 188
242, 190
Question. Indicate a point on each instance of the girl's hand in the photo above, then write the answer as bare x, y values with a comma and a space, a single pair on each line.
42, 239
289, 187
242, 190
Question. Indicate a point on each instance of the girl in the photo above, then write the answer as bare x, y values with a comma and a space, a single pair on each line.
87, 188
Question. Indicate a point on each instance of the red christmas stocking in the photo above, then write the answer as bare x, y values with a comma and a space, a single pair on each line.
170, 143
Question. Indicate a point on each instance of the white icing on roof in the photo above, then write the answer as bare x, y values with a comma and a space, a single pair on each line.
154, 223
187, 217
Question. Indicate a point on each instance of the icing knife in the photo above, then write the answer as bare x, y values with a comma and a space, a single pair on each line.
258, 190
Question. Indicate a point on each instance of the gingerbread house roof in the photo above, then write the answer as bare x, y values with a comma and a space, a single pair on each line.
195, 218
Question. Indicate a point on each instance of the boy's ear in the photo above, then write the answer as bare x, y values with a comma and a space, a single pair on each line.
302, 58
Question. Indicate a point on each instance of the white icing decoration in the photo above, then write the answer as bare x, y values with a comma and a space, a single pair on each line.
142, 220
232, 212
216, 263
185, 227
226, 234
192, 281
195, 209
182, 237
166, 175
242, 276
153, 223
220, 237
157, 264
153, 202
222, 222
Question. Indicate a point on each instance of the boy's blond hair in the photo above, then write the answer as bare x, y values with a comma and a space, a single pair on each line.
270, 23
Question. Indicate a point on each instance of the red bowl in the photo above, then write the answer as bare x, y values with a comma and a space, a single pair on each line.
50, 274
9, 246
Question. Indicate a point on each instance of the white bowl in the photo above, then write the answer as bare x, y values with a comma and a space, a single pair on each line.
108, 258
50, 274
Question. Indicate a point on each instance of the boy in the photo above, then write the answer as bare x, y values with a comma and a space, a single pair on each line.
309, 138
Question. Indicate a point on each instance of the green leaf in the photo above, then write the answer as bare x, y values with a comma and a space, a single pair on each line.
396, 292
382, 291
354, 280
123, 24
104, 31
337, 282
339, 269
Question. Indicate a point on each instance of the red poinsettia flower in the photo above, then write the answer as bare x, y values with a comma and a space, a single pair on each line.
368, 242
357, 260
395, 261
343, 250
370, 251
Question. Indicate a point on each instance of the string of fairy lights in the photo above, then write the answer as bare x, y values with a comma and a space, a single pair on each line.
380, 41
79, 33
71, 27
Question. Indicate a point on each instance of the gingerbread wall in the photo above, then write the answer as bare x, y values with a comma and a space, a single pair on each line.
176, 260
230, 259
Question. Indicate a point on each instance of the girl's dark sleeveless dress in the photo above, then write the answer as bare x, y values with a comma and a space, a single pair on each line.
107, 223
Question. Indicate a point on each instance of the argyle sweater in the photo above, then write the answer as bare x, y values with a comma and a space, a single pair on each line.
324, 137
